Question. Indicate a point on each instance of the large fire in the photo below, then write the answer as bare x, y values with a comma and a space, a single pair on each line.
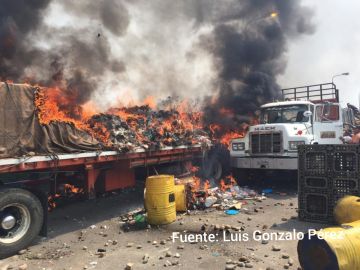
171, 122
226, 137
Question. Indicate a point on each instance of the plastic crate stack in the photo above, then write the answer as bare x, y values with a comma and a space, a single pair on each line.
326, 174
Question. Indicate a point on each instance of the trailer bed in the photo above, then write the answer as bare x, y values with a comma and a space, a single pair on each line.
138, 157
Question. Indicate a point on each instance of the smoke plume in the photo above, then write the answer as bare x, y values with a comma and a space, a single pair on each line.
249, 47
72, 57
228, 54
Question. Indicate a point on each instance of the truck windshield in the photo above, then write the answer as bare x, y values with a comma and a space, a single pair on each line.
284, 114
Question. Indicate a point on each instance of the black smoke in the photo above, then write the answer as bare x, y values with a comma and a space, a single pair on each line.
249, 47
18, 18
246, 46
73, 59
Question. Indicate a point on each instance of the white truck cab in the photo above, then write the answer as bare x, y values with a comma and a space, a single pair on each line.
308, 115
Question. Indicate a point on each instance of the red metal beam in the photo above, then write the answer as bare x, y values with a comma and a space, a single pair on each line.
136, 159
91, 177
120, 176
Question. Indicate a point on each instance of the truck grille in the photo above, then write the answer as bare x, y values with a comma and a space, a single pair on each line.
263, 143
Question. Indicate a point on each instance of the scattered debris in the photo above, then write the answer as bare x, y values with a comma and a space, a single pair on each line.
23, 266
210, 201
145, 258
275, 248
230, 266
225, 197
129, 266
168, 254
267, 191
285, 256
232, 212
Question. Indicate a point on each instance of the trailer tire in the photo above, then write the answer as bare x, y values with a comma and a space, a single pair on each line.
217, 164
213, 170
21, 219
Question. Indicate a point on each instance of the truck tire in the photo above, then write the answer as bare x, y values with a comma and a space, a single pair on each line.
212, 169
21, 219
217, 164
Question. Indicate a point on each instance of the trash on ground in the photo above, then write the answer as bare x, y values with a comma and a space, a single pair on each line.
232, 212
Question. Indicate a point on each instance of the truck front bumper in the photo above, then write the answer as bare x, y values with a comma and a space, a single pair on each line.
265, 163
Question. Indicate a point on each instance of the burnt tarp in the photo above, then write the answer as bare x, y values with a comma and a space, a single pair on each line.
22, 134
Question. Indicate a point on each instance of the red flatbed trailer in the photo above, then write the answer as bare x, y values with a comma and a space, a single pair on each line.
24, 202
120, 176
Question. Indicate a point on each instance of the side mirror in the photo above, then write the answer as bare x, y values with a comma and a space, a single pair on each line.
307, 113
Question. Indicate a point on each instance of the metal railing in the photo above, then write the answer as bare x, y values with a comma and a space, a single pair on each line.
315, 93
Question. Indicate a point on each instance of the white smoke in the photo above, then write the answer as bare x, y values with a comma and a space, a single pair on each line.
161, 55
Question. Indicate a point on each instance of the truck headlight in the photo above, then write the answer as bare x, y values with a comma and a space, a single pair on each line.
238, 146
294, 144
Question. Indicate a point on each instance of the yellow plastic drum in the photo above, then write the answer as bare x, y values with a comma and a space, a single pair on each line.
160, 199
180, 198
347, 210
335, 248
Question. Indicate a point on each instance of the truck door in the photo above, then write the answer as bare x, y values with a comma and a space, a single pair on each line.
328, 124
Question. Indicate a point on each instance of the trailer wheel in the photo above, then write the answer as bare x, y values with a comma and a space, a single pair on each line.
21, 219
217, 164
213, 169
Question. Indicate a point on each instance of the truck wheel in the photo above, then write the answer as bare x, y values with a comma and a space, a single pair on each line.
217, 164
213, 169
21, 219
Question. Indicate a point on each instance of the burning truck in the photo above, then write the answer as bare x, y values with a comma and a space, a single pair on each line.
47, 151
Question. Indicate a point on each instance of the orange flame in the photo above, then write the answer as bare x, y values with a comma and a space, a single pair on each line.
53, 105
227, 183
226, 138
207, 185
150, 101
72, 189
222, 185
195, 186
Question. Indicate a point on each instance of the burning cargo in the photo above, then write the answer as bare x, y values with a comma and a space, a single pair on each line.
34, 121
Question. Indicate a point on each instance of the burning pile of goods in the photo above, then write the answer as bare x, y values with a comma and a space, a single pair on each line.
141, 126
126, 128
188, 194
50, 121
228, 195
